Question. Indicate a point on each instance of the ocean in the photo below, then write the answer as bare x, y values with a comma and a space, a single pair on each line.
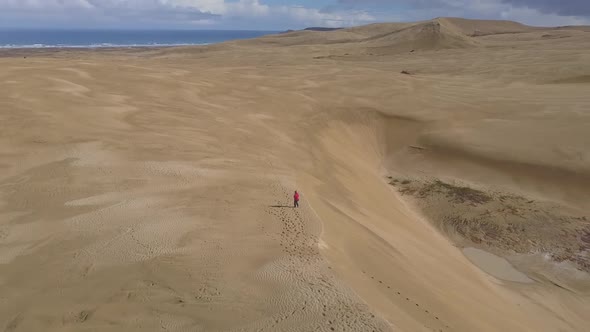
119, 38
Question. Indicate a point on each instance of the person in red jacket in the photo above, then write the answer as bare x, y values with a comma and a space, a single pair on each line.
296, 199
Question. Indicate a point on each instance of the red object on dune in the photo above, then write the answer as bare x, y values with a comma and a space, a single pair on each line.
296, 196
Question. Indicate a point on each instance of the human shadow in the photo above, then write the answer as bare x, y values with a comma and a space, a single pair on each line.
281, 206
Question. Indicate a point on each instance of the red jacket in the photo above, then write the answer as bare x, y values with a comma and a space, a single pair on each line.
296, 196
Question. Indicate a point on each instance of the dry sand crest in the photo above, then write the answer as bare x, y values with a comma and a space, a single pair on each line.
146, 189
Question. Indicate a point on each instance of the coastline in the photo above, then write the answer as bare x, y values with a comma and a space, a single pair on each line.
100, 46
95, 39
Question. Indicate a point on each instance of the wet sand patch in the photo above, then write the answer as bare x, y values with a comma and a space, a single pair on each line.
495, 266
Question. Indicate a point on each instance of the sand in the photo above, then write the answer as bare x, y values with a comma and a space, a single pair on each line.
150, 189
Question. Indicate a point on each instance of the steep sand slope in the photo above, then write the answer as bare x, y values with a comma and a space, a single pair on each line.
395, 37
433, 35
485, 27
398, 243
151, 189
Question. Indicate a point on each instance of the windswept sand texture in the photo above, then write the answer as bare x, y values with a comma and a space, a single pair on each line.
150, 189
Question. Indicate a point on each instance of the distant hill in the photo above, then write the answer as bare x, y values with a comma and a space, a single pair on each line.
321, 29
390, 38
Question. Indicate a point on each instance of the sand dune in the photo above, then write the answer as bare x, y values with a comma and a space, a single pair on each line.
486, 27
431, 35
150, 189
397, 37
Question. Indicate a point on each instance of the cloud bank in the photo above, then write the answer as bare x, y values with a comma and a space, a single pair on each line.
277, 14
534, 12
239, 14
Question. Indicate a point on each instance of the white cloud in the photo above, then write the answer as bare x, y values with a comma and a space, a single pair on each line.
258, 14
315, 17
534, 12
252, 8
210, 6
534, 17
241, 13
33, 5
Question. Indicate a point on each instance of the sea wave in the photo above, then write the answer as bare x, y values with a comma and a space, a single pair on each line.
101, 45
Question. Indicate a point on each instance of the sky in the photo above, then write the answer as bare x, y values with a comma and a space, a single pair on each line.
276, 15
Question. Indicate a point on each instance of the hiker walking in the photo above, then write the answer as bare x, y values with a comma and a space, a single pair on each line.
296, 199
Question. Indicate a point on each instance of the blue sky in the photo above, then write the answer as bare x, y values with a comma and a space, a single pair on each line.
276, 14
